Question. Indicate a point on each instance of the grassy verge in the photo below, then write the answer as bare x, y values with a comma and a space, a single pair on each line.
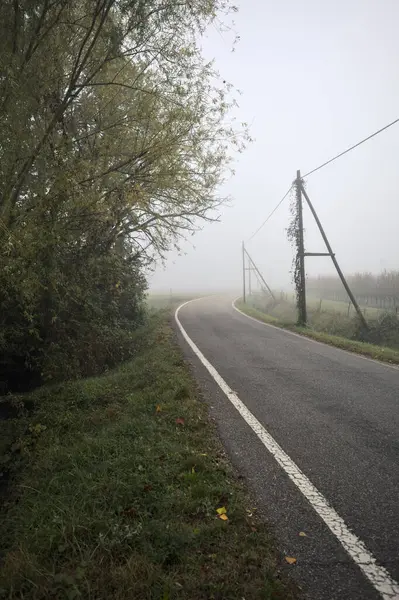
116, 493
165, 301
381, 353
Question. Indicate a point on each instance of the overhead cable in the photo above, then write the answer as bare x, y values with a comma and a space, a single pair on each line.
351, 148
271, 214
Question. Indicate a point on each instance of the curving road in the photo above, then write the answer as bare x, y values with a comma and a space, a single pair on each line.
335, 416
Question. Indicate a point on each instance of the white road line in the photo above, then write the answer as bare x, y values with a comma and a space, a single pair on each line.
309, 339
377, 575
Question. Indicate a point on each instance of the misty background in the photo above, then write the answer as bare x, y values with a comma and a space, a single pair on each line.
315, 78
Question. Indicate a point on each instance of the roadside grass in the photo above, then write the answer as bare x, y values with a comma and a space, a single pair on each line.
163, 301
381, 353
114, 487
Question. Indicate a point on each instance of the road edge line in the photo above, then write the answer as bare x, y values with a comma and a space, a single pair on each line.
309, 339
377, 575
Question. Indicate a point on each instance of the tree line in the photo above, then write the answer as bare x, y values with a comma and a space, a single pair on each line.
379, 290
114, 139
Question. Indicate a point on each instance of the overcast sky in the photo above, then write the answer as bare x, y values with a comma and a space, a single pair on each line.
316, 77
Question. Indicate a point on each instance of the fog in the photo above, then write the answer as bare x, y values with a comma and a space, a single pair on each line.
316, 78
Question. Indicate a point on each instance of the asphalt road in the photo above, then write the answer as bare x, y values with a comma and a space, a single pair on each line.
335, 414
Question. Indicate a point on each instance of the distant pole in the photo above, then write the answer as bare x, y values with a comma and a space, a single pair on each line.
243, 273
302, 316
255, 268
249, 280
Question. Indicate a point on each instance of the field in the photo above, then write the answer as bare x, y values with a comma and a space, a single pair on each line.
161, 301
318, 303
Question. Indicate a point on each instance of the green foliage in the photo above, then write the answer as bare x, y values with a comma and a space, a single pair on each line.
383, 331
114, 140
115, 500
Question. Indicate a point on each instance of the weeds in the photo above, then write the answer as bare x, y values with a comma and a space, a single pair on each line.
383, 326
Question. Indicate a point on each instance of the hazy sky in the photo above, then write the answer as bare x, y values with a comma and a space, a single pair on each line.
315, 77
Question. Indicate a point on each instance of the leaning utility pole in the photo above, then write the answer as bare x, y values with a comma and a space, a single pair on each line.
301, 288
331, 253
249, 280
259, 274
243, 273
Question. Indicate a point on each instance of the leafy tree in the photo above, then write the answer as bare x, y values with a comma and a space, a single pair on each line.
113, 142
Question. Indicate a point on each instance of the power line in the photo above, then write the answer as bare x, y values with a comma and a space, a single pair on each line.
320, 167
351, 148
271, 214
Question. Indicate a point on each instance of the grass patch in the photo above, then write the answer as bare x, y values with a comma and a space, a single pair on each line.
116, 489
168, 301
381, 353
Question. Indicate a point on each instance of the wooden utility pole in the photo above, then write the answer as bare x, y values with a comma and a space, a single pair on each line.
301, 290
251, 262
243, 273
331, 253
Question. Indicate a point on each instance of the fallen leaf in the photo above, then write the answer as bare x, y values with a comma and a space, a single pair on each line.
221, 511
130, 512
290, 560
224, 517
254, 529
147, 487
179, 421
192, 470
158, 408
302, 534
